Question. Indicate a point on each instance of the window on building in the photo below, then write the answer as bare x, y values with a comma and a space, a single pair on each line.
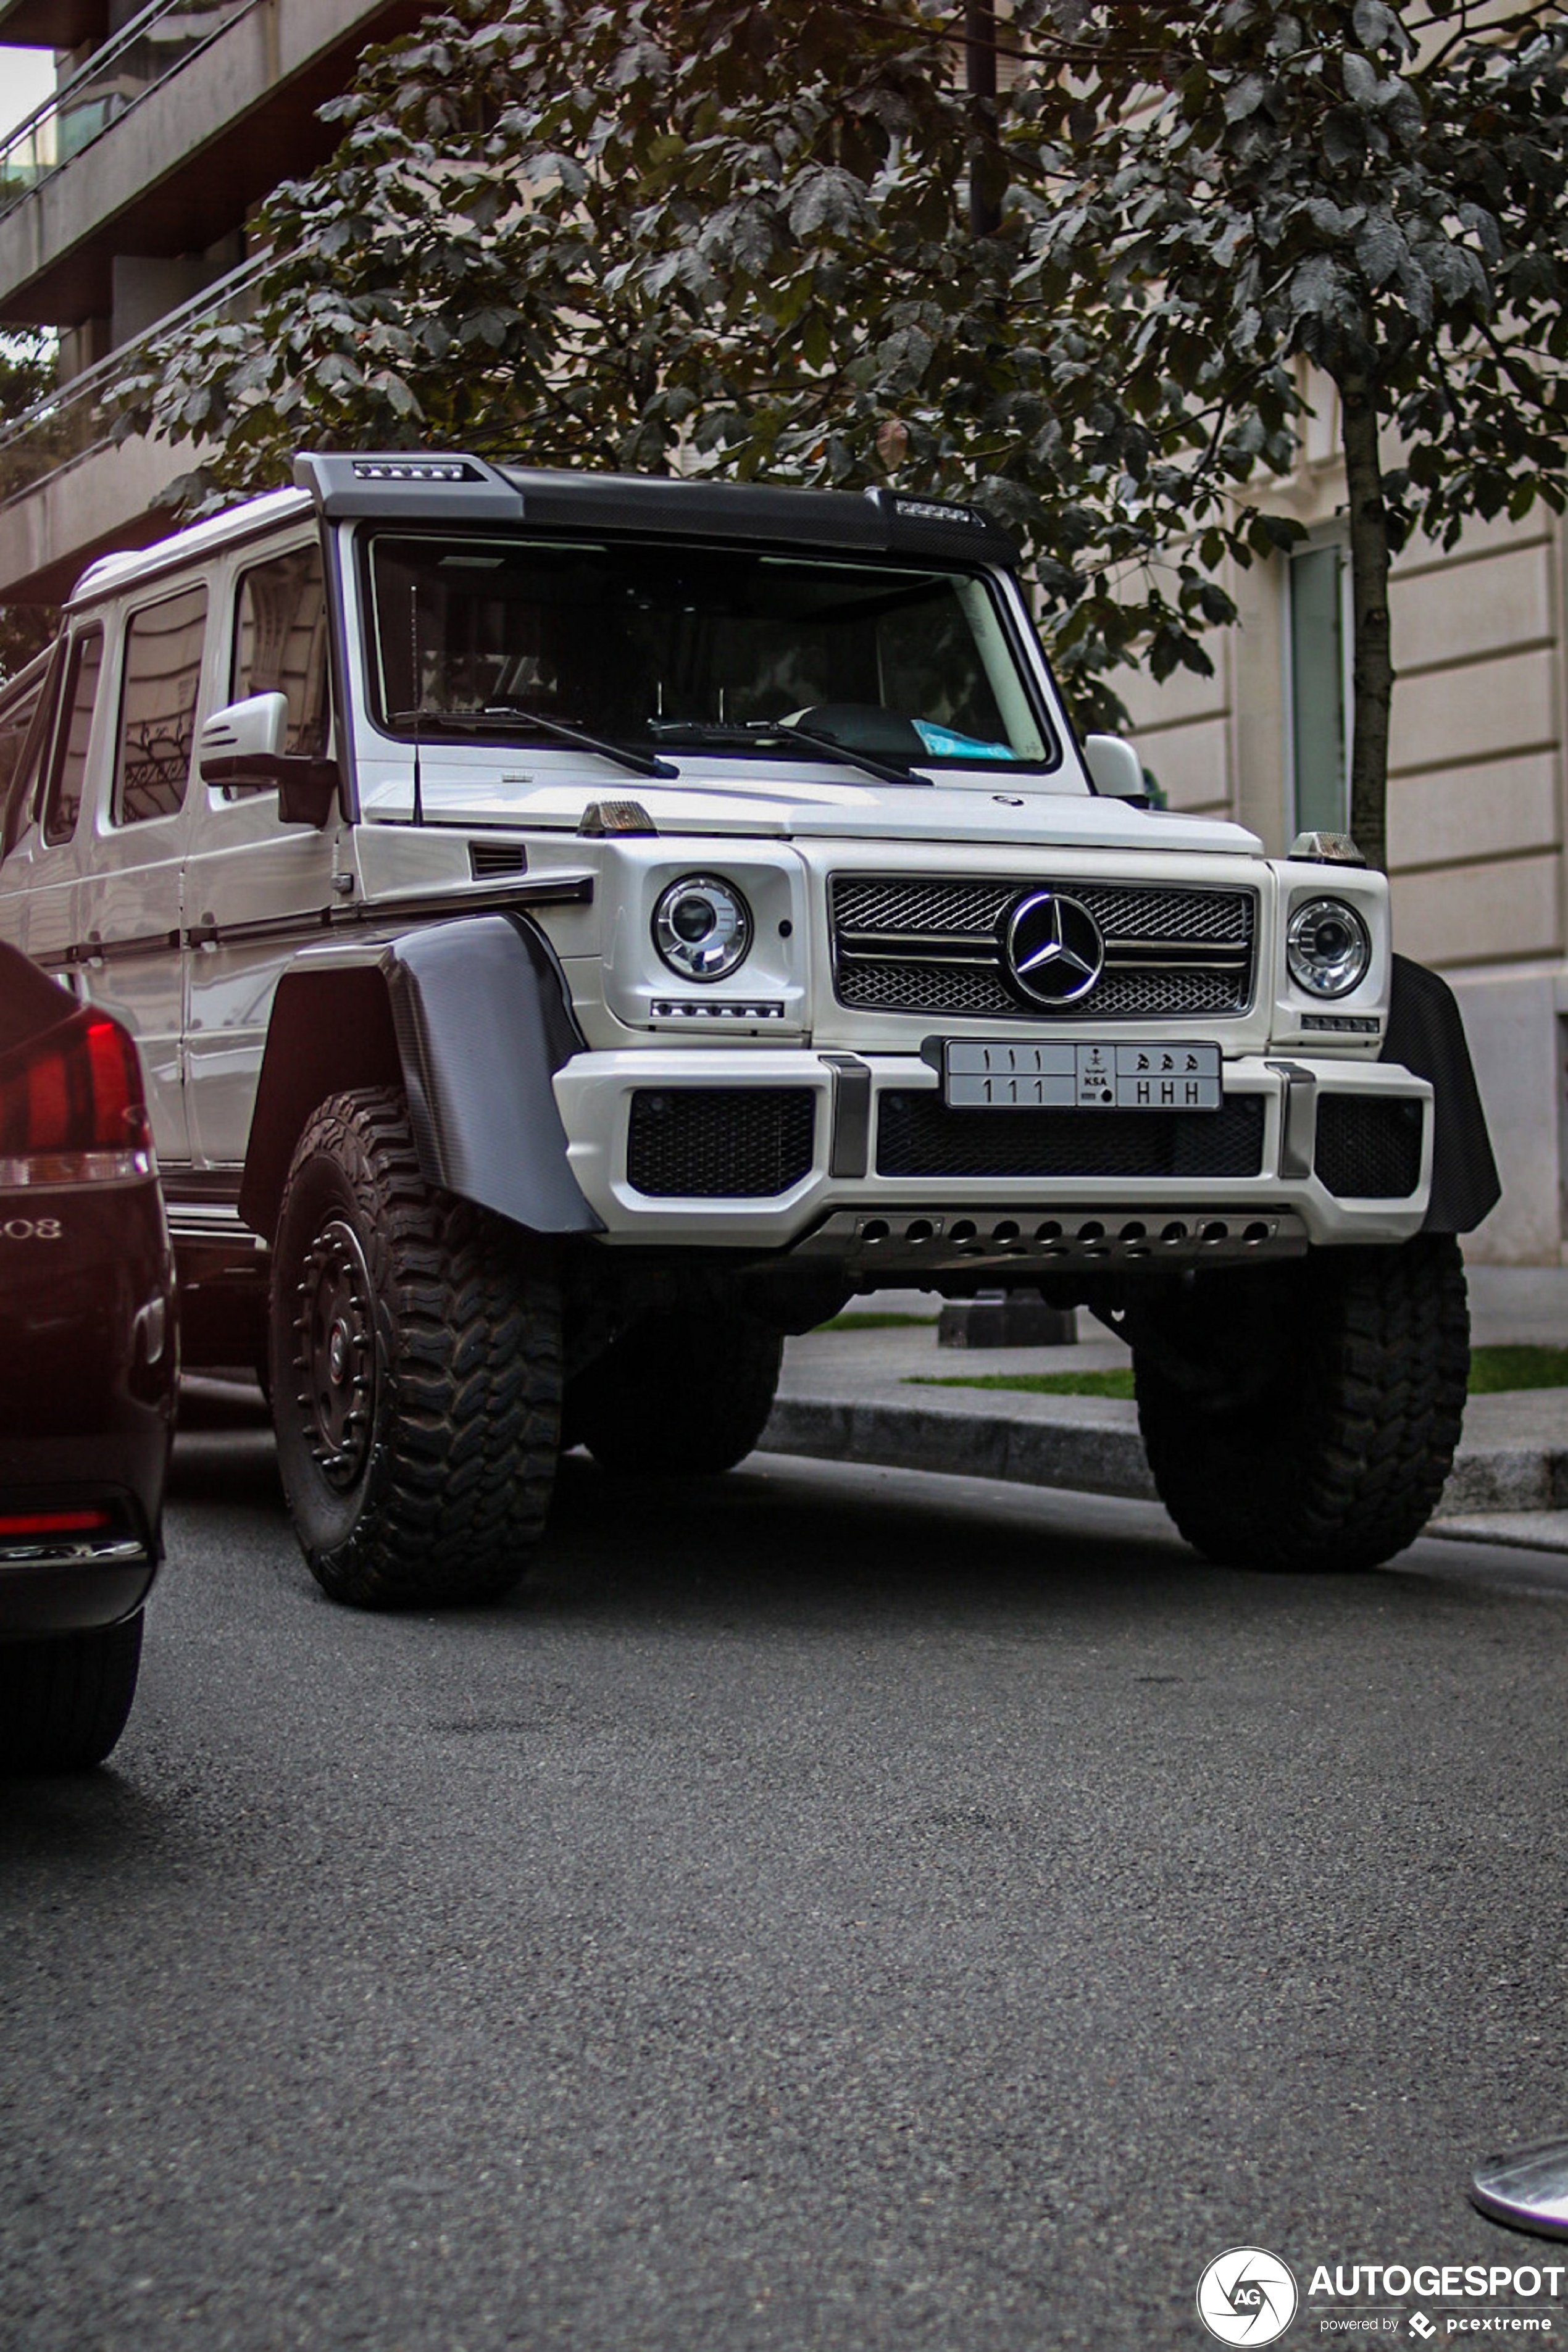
1319, 701
63, 803
158, 707
280, 647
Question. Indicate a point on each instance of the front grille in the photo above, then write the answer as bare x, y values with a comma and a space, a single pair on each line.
721, 1142
907, 945
920, 1135
1368, 1149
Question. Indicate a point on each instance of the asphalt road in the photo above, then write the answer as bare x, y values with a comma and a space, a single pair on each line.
827, 1908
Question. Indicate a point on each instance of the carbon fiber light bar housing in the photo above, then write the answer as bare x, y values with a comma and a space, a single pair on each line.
452, 486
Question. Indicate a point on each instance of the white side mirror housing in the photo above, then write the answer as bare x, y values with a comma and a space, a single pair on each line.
255, 729
1114, 767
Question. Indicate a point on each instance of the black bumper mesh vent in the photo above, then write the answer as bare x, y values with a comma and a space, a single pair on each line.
721, 1142
1368, 1149
918, 1134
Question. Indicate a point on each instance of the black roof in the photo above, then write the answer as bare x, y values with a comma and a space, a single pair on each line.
449, 487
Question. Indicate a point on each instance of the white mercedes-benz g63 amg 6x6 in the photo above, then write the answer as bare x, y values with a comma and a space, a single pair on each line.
580, 929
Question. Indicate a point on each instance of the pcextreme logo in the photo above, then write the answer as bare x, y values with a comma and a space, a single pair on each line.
1247, 2296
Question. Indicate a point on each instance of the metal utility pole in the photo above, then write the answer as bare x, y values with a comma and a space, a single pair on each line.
980, 79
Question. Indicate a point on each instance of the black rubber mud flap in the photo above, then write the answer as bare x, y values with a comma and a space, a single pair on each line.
1427, 1036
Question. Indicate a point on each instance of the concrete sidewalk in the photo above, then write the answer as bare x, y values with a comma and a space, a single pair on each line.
846, 1396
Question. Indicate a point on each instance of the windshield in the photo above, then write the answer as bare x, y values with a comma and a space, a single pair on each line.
669, 646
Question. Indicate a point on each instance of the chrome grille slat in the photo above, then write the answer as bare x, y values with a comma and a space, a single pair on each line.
932, 947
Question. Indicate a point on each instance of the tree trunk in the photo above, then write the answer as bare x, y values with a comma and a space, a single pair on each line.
1373, 665
980, 78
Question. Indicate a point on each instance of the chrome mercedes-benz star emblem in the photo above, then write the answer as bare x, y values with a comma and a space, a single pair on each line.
1054, 949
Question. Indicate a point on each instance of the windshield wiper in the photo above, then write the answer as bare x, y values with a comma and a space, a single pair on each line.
762, 733
494, 715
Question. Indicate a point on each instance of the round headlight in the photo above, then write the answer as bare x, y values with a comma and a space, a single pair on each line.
701, 926
1327, 947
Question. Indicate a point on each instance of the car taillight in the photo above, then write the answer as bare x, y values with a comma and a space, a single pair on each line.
73, 1109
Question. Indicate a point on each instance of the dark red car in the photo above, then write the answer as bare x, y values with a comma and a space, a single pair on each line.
89, 1360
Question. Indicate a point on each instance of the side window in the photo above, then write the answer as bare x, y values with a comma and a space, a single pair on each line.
280, 647
158, 707
62, 801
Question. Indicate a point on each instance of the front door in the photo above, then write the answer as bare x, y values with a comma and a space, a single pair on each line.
255, 889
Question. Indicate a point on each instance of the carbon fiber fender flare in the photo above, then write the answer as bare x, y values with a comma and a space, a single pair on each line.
471, 1018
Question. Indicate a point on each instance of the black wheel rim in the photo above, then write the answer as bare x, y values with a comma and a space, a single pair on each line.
334, 1360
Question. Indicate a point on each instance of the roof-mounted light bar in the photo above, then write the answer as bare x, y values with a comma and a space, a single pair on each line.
416, 469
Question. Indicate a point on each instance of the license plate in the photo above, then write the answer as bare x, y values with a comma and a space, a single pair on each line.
1002, 1074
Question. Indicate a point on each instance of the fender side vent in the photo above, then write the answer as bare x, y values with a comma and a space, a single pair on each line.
493, 861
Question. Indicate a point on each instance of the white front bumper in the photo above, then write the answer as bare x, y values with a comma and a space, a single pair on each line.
594, 1093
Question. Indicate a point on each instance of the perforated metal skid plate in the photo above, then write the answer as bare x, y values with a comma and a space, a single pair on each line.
1194, 949
906, 1244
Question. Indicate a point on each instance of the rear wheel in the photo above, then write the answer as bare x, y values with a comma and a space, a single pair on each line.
678, 1395
416, 1355
1305, 1416
64, 1703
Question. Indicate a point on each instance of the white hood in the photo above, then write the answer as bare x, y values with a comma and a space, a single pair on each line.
553, 797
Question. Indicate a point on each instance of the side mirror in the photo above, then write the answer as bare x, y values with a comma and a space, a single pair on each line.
234, 739
1115, 768
243, 744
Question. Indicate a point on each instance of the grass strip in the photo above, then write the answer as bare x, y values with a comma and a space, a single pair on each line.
1493, 1371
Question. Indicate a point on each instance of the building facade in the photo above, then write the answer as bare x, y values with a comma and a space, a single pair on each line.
1477, 787
126, 201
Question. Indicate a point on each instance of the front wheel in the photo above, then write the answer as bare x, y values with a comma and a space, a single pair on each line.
64, 1702
678, 1395
416, 1371
1305, 1416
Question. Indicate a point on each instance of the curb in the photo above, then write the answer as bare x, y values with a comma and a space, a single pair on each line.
1092, 1445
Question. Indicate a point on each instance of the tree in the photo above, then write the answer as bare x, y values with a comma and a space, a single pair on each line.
1383, 193
732, 234
28, 368
795, 237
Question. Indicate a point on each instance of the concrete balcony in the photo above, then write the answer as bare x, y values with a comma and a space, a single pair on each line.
68, 490
176, 171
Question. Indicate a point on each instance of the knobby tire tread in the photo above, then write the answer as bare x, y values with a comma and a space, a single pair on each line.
679, 1396
468, 1403
1343, 1464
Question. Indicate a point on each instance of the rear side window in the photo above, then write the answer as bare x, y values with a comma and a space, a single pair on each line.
280, 647
62, 802
158, 707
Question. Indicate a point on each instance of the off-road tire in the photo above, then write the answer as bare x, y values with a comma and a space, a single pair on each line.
678, 1396
1304, 1417
450, 1331
64, 1703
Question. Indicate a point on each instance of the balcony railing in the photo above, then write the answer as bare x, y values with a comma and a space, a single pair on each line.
70, 423
145, 52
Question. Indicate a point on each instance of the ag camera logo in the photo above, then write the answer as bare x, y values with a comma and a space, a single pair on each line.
1247, 2296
